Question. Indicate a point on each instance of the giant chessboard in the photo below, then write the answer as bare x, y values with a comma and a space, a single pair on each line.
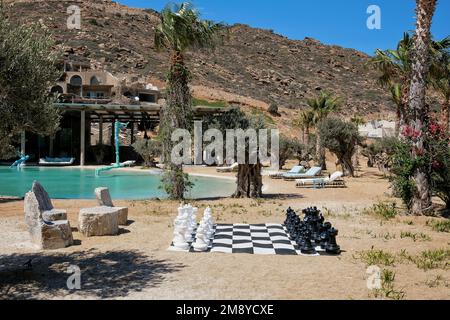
268, 239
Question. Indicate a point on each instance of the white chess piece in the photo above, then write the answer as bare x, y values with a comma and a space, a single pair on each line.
208, 220
190, 224
201, 242
179, 240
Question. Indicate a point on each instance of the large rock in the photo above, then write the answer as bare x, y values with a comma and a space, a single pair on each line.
49, 213
45, 234
99, 221
104, 199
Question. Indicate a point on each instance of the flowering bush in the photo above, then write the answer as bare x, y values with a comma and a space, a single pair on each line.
433, 157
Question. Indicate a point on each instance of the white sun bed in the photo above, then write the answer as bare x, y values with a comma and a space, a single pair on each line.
294, 170
335, 180
312, 172
48, 161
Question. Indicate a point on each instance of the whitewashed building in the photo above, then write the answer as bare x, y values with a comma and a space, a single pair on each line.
377, 129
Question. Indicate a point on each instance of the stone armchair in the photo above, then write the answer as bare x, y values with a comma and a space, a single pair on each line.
45, 233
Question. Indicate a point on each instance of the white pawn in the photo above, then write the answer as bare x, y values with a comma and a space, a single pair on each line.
202, 241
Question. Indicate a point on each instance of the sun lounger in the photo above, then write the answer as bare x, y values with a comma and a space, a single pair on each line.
231, 168
47, 161
294, 170
312, 172
335, 180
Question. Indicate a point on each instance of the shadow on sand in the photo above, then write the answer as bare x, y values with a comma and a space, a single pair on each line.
103, 274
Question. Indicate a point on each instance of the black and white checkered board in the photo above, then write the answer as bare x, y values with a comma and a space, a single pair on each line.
269, 239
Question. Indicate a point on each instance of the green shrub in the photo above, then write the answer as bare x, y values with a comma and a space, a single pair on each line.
415, 236
273, 109
376, 257
384, 210
439, 225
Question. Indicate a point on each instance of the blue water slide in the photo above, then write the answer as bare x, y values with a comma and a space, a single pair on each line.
21, 161
117, 126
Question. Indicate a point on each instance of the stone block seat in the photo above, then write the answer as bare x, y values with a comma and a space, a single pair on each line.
104, 199
99, 221
49, 213
44, 233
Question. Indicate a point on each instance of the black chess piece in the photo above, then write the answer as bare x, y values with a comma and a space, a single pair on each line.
332, 247
306, 247
324, 236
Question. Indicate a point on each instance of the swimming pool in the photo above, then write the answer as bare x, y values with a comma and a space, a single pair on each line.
78, 183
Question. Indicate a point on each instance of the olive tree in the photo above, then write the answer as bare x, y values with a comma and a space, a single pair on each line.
341, 138
27, 70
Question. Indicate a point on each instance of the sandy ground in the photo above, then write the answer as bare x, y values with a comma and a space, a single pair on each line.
136, 264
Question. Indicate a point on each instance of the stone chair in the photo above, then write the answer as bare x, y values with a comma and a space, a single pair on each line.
44, 233
104, 199
98, 221
49, 213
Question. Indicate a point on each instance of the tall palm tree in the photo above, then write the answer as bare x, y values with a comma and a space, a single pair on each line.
420, 66
180, 29
305, 122
322, 106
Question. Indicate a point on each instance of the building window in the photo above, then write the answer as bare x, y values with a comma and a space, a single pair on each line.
76, 81
94, 81
57, 89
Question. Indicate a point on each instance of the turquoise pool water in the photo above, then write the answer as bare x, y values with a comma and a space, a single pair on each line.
76, 183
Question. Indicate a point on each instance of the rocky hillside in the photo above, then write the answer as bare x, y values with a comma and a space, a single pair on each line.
253, 67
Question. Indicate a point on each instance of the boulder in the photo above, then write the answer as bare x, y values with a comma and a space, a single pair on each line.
104, 199
98, 221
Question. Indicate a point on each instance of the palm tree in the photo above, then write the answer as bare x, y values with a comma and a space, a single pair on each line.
180, 29
395, 67
420, 66
322, 106
305, 121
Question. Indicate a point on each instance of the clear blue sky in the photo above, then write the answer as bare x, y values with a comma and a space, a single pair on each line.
340, 22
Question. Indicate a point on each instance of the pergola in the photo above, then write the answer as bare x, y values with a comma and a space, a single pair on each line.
109, 113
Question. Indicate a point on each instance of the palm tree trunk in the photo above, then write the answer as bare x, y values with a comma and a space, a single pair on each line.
319, 150
176, 114
402, 109
421, 201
